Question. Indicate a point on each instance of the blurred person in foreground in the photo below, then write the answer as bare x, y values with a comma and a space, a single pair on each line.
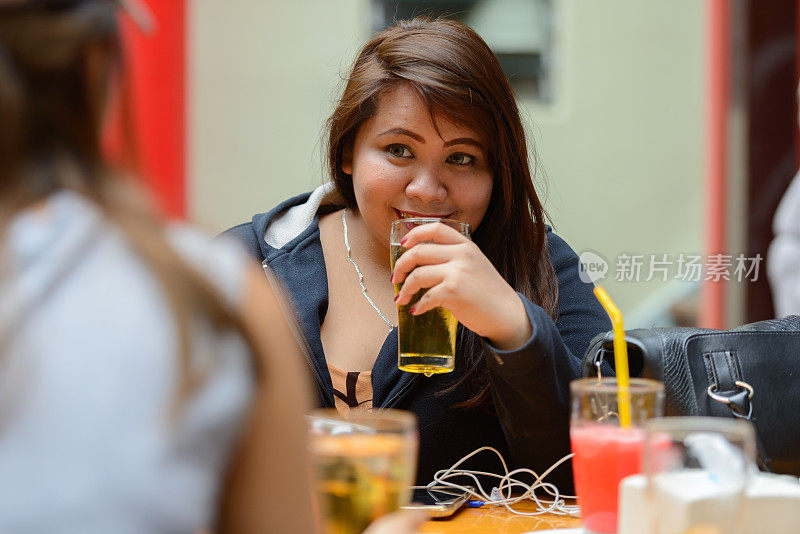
148, 380
783, 256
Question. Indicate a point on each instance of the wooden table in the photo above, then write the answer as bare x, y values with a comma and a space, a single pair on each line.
497, 519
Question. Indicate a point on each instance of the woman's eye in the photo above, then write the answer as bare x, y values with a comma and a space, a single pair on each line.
459, 158
398, 151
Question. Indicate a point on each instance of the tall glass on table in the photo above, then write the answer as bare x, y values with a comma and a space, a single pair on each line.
363, 465
605, 451
426, 342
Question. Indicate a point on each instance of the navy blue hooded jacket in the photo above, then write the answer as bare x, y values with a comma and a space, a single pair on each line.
528, 421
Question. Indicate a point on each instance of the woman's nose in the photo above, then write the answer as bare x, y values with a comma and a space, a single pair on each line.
426, 187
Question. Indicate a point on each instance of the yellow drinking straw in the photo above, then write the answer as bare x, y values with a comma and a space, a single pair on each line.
620, 357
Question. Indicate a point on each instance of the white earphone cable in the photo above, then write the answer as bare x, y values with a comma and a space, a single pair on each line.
555, 506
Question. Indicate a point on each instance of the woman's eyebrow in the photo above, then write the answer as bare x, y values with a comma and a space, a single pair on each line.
403, 131
464, 141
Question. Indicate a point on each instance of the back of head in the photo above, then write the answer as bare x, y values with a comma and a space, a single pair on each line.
55, 58
56, 61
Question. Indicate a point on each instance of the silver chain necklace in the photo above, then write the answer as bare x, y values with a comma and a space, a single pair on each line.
361, 275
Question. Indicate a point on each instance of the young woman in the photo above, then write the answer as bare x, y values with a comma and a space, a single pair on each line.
140, 365
427, 125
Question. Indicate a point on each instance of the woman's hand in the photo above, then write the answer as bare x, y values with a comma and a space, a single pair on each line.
460, 278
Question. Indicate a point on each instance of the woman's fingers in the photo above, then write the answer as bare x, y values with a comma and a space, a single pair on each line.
423, 277
423, 254
433, 232
438, 296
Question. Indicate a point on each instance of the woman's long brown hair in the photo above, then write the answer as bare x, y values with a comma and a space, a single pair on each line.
460, 80
51, 115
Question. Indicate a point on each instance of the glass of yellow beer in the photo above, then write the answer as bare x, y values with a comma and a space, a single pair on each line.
363, 465
426, 342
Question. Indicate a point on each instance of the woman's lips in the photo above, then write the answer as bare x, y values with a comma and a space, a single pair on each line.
406, 214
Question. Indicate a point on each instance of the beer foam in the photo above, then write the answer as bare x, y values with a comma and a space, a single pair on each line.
360, 445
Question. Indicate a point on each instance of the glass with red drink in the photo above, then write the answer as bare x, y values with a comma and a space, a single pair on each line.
605, 453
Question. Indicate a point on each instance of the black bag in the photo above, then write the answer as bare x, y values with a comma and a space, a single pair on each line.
751, 372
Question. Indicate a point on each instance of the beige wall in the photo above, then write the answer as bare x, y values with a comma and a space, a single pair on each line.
624, 156
262, 75
621, 145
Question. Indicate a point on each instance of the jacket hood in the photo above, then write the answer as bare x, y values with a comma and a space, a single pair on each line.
289, 221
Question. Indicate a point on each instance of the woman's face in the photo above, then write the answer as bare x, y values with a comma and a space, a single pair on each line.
402, 167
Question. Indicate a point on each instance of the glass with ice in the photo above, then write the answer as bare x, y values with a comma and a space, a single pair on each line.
605, 452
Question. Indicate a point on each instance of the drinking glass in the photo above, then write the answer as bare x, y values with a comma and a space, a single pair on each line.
605, 453
363, 465
697, 470
426, 342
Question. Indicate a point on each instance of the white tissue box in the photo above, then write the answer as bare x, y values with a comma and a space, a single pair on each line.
772, 506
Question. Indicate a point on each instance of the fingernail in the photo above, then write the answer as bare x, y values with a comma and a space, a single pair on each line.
396, 297
391, 278
403, 241
411, 311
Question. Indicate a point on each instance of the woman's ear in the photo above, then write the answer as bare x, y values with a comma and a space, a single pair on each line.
347, 159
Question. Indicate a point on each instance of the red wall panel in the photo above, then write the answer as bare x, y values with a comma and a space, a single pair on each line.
155, 72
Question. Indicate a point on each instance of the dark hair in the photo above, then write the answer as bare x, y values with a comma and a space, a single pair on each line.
460, 80
51, 115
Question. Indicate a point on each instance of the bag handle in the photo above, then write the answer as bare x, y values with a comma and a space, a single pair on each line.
738, 402
601, 351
